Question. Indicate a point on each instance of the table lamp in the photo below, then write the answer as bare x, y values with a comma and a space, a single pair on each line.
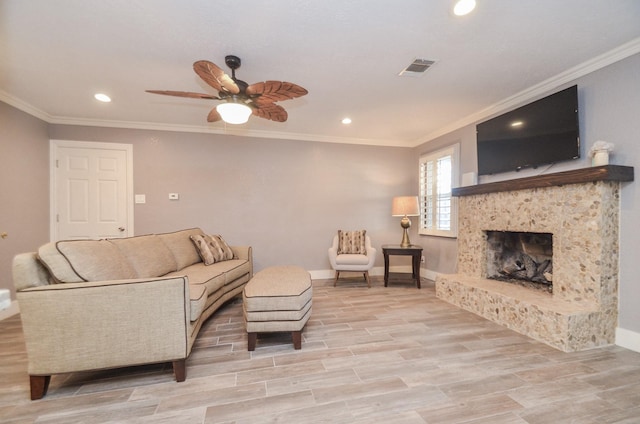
405, 206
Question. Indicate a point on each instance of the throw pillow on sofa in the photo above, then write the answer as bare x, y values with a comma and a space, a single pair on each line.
212, 248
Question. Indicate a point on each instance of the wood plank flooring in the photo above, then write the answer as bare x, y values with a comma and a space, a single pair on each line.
378, 355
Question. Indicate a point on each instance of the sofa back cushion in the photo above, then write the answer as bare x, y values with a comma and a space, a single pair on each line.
180, 245
59, 267
94, 260
148, 255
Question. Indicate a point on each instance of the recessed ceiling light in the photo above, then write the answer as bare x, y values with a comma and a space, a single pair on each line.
463, 7
517, 124
102, 97
346, 121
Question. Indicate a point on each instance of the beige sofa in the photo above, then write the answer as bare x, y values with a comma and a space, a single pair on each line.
98, 304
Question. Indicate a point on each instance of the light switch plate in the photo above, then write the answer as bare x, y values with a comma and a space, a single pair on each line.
174, 196
140, 198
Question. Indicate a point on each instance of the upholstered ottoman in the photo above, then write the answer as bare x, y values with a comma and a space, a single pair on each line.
277, 299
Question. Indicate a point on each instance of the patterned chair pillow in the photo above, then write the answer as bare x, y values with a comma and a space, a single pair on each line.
352, 242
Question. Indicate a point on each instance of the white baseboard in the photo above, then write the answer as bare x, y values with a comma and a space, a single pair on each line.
323, 274
428, 274
628, 339
10, 311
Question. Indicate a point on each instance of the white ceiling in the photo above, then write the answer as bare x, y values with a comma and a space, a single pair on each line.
54, 55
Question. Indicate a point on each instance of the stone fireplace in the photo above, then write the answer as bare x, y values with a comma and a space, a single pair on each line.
579, 210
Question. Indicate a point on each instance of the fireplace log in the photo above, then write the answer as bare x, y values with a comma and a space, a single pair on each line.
524, 267
530, 266
542, 268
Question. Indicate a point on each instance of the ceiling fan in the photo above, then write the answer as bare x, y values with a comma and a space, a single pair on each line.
240, 99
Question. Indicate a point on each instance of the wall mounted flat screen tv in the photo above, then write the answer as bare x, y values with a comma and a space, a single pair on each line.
542, 132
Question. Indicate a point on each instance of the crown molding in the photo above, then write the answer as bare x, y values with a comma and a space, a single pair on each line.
241, 132
622, 52
24, 106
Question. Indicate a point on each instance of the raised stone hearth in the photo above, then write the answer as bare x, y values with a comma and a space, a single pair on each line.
581, 210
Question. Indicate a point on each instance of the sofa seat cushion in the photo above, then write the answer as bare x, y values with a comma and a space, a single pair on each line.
235, 268
197, 300
95, 260
212, 278
148, 255
181, 246
217, 275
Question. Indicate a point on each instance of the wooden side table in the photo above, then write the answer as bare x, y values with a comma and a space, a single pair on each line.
395, 249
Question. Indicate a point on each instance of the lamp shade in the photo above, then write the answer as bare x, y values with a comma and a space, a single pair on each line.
234, 113
405, 205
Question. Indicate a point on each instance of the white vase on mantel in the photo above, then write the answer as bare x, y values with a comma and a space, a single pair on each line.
600, 158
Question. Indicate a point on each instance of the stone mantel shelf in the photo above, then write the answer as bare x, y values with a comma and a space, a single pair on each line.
585, 175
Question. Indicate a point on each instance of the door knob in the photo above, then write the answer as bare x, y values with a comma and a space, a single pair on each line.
121, 229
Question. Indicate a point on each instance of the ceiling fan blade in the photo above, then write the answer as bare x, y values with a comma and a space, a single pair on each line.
214, 116
270, 111
273, 91
215, 77
184, 94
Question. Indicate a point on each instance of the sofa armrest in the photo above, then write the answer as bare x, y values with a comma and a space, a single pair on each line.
84, 326
244, 252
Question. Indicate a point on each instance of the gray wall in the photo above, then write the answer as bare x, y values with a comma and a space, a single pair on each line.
284, 198
24, 187
609, 104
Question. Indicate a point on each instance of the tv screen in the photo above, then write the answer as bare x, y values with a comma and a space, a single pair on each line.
542, 132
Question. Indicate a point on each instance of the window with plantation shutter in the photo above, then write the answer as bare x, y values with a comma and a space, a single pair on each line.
438, 175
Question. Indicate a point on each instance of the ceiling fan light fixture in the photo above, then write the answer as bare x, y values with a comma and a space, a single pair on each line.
102, 97
234, 113
464, 7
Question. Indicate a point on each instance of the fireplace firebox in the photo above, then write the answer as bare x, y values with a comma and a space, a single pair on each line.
522, 258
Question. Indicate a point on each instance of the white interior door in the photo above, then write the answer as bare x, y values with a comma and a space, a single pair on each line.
91, 190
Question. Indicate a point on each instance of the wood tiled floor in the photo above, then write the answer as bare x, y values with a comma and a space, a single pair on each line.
379, 355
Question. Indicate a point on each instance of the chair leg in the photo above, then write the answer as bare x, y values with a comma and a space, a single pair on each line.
335, 281
366, 277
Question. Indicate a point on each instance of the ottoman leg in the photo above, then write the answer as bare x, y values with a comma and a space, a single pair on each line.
252, 341
297, 339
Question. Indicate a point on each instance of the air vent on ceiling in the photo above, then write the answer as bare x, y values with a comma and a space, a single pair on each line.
416, 68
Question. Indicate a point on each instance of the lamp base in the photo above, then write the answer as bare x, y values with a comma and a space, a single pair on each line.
405, 223
405, 239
